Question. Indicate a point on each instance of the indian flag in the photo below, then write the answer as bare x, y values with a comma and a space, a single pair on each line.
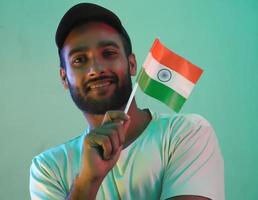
167, 76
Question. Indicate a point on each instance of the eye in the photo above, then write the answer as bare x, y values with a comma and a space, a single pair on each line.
109, 53
79, 60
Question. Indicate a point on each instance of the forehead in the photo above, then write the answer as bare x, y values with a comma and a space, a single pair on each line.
91, 34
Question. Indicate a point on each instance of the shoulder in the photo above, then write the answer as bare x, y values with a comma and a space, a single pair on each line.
194, 163
192, 126
181, 132
178, 125
189, 120
52, 171
60, 154
192, 130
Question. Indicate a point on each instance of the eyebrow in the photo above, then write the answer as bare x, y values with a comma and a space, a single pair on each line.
108, 43
78, 49
100, 45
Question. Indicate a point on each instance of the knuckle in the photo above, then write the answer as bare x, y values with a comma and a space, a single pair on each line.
105, 140
113, 132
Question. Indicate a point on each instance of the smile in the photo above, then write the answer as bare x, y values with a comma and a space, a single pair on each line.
100, 85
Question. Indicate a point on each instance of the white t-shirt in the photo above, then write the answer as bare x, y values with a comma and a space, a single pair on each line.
174, 156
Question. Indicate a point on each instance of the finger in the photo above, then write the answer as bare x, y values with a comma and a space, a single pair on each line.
101, 143
110, 128
127, 123
116, 155
122, 129
114, 138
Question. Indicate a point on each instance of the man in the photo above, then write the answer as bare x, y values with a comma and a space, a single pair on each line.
141, 155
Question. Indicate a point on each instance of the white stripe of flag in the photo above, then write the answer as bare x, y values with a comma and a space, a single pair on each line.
177, 82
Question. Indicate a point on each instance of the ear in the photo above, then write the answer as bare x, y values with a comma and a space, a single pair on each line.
132, 64
63, 77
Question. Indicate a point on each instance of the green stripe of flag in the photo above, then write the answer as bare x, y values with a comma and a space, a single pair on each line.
160, 92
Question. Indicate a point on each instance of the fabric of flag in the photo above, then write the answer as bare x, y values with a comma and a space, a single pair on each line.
167, 76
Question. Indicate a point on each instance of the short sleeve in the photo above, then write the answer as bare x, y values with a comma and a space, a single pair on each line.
195, 165
44, 184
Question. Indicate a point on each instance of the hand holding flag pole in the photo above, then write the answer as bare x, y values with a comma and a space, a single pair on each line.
167, 77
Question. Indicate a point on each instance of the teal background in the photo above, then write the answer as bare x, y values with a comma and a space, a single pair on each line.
221, 37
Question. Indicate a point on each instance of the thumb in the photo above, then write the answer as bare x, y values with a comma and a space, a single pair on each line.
115, 116
126, 123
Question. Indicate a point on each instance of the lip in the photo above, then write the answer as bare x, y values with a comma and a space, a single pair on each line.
99, 84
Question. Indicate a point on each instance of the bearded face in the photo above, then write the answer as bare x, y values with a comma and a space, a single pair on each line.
100, 103
97, 69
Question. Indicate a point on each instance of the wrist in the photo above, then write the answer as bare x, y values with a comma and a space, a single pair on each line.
84, 189
81, 182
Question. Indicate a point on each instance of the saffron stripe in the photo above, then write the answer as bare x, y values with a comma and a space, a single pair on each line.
177, 63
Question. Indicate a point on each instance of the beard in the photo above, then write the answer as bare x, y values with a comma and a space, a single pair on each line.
92, 105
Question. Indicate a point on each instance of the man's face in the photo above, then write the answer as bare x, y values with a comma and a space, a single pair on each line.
97, 71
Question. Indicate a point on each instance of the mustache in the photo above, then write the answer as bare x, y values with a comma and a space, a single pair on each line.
113, 79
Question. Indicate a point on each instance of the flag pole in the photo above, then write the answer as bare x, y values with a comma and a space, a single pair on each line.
131, 97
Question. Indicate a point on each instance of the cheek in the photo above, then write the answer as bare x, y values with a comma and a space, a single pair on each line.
71, 77
122, 73
75, 79
124, 76
122, 67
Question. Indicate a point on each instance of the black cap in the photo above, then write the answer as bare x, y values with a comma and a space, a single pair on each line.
85, 12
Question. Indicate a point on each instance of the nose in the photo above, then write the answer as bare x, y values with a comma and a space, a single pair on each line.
96, 68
